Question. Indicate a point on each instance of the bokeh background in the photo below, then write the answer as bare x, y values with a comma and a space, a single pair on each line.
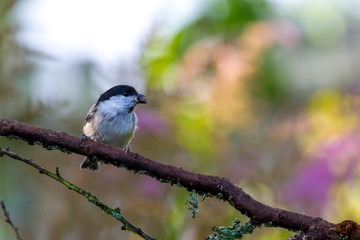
265, 93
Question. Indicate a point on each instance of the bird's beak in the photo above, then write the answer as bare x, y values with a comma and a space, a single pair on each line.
140, 99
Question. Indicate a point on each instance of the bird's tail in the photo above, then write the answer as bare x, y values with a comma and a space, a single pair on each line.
90, 163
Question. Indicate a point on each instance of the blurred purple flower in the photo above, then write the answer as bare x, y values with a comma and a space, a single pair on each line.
151, 121
309, 190
355, 88
333, 162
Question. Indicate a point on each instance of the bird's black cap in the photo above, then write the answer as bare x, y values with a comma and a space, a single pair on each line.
117, 90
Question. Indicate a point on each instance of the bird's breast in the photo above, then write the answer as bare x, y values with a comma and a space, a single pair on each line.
115, 130
119, 130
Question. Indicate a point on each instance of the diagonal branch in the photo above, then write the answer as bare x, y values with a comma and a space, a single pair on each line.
91, 198
202, 184
8, 220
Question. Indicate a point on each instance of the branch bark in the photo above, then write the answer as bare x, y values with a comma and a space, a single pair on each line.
315, 228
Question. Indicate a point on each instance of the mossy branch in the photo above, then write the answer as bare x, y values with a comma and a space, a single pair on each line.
205, 185
116, 213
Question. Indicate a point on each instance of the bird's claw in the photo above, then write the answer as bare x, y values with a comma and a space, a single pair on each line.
126, 149
83, 137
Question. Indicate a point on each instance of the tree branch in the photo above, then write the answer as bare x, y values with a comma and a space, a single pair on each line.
202, 184
8, 220
116, 213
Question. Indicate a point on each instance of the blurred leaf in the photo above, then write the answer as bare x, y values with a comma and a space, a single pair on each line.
272, 81
176, 219
194, 130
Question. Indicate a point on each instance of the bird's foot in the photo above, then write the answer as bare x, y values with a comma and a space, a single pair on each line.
83, 137
126, 149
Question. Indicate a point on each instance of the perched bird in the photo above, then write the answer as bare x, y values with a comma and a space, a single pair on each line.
111, 120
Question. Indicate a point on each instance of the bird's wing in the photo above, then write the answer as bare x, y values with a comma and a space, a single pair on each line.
91, 113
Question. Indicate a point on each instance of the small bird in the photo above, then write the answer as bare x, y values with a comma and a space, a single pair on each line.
111, 120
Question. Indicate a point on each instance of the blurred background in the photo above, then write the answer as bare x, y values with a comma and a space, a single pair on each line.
265, 93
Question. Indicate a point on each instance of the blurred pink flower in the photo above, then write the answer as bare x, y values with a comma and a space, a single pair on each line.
241, 170
149, 186
286, 33
151, 121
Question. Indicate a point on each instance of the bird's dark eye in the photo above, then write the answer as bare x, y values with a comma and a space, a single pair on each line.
126, 94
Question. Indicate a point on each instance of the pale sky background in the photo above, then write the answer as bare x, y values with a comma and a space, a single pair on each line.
108, 30
105, 32
102, 30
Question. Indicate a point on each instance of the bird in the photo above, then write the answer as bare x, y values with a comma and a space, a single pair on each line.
112, 120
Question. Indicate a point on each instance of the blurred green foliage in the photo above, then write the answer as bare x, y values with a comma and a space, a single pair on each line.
272, 79
222, 19
15, 69
193, 124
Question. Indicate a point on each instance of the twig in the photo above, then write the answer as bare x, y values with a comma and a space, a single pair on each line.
116, 213
8, 220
